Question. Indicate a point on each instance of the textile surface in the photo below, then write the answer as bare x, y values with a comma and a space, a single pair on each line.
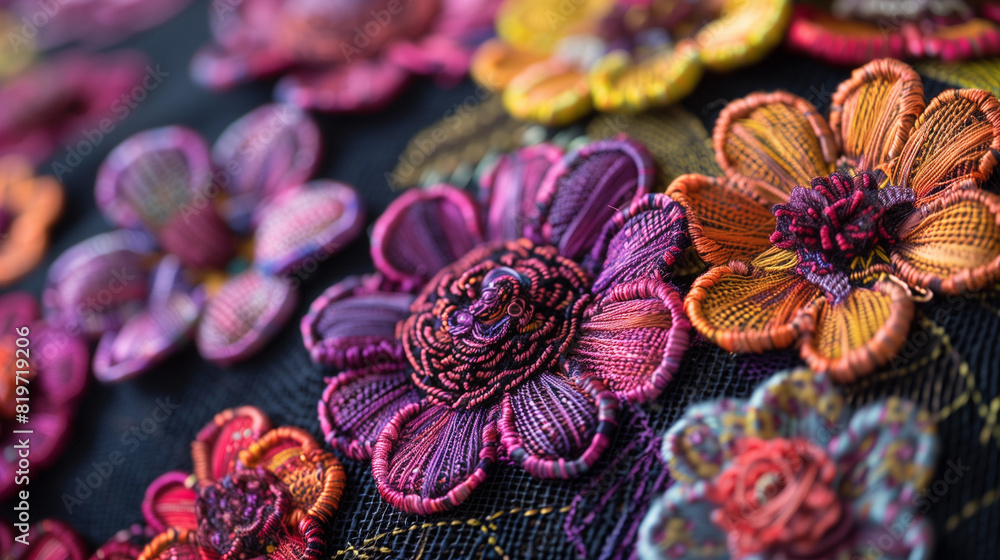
948, 366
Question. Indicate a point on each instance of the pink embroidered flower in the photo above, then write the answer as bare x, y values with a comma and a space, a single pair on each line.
169, 192
46, 540
341, 56
512, 327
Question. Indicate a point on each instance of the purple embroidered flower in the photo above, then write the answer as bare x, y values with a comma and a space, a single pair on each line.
172, 193
51, 365
338, 55
94, 22
509, 328
53, 102
793, 472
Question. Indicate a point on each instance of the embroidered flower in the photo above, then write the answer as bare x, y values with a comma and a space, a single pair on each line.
858, 31
536, 311
340, 56
49, 366
820, 234
97, 23
556, 63
51, 103
257, 492
50, 538
164, 184
29, 205
793, 472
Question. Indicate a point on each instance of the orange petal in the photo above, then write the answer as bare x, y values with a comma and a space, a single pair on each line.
551, 92
743, 311
744, 33
46, 203
855, 337
770, 143
723, 222
951, 245
537, 25
619, 83
496, 63
873, 112
954, 141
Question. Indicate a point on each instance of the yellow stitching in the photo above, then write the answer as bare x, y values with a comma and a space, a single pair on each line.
970, 509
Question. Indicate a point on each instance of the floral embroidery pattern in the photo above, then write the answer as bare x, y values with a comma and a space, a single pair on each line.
29, 206
340, 56
523, 336
555, 64
53, 369
167, 190
256, 492
858, 31
822, 235
794, 472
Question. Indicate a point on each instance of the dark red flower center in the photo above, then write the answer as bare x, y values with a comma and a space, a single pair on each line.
838, 219
491, 320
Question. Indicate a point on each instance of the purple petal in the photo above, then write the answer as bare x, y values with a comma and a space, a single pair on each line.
555, 427
149, 337
357, 405
97, 284
508, 191
644, 240
363, 85
581, 193
273, 148
62, 362
161, 180
243, 316
310, 222
353, 325
423, 231
430, 458
632, 339
218, 68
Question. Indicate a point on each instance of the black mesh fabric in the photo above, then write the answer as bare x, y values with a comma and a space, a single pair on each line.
950, 364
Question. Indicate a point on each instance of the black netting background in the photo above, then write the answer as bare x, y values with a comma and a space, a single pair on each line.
950, 365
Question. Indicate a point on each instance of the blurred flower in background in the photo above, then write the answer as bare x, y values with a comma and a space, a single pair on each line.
29, 205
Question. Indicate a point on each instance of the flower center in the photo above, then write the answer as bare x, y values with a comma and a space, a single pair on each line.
240, 514
839, 219
492, 319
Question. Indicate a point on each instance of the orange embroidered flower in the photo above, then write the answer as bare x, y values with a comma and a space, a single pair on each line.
821, 232
557, 60
29, 205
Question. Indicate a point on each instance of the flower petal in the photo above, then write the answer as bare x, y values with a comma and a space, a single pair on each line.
360, 86
429, 458
313, 221
744, 311
62, 362
701, 442
554, 426
855, 337
217, 446
723, 221
551, 92
352, 325
496, 63
423, 231
173, 544
679, 525
872, 113
954, 141
972, 38
952, 244
98, 283
160, 180
743, 33
154, 333
632, 338
243, 316
268, 150
641, 241
170, 502
887, 455
509, 190
796, 403
842, 42
17, 309
54, 540
620, 83
582, 193
218, 68
276, 446
358, 404
769, 143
